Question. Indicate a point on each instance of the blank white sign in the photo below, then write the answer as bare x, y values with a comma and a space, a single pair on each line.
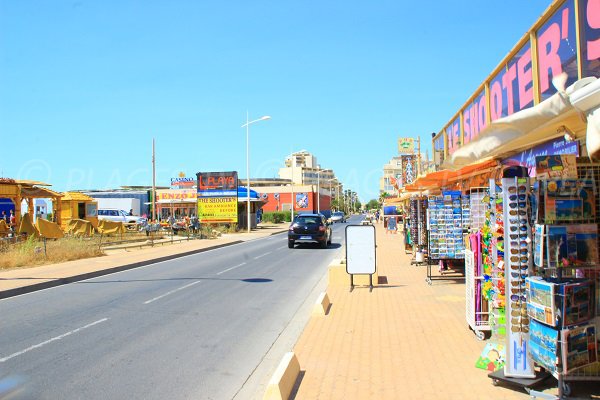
360, 249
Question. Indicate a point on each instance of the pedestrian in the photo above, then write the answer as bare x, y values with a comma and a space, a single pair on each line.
377, 216
4, 217
131, 211
12, 220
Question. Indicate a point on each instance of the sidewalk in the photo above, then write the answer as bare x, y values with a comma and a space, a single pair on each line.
23, 280
405, 340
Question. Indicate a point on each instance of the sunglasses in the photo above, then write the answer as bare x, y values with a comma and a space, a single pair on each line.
521, 228
523, 252
514, 243
516, 267
522, 189
514, 197
521, 204
519, 212
518, 221
515, 236
518, 313
517, 329
517, 275
520, 321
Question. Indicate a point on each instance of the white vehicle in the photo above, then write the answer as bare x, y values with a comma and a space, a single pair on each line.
113, 214
338, 216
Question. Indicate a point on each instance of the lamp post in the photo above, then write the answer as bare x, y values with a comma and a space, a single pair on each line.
318, 190
247, 125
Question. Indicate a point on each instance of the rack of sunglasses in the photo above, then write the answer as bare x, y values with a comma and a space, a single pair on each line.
518, 261
478, 207
417, 215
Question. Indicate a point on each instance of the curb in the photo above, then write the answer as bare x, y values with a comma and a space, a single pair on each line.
284, 378
75, 278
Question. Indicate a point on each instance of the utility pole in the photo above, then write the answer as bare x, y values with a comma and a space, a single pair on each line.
153, 182
418, 155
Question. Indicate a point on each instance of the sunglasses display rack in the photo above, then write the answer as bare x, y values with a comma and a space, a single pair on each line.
519, 262
418, 231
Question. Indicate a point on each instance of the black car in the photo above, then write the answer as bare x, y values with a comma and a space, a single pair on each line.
309, 228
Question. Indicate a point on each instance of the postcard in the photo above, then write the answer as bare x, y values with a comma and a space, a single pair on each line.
556, 166
579, 347
538, 255
556, 237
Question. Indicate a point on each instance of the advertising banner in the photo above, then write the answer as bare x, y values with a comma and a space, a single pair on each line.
176, 195
217, 184
218, 197
406, 146
218, 209
409, 169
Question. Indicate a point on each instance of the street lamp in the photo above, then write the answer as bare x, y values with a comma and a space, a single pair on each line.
247, 125
318, 190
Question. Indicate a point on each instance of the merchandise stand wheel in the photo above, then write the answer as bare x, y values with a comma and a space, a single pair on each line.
480, 335
526, 383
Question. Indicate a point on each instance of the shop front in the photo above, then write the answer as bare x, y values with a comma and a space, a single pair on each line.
527, 228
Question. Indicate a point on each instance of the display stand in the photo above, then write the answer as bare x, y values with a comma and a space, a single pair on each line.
445, 236
478, 320
525, 383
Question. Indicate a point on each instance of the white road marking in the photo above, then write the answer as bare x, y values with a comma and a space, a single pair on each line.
229, 269
262, 255
171, 292
282, 247
37, 346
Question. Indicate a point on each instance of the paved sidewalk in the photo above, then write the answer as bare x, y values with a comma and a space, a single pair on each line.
24, 280
405, 340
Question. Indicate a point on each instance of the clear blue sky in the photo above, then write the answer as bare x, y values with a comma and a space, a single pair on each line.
86, 85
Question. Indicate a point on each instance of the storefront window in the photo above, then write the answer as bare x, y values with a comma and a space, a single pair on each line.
557, 49
590, 37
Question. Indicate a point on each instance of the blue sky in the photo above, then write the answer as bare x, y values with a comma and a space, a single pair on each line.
86, 85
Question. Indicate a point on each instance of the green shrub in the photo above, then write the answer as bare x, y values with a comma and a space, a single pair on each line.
277, 217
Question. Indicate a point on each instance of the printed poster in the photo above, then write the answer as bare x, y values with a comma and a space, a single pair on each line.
579, 347
218, 209
556, 166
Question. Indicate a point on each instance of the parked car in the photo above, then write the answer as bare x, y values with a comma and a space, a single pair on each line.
113, 214
338, 216
308, 228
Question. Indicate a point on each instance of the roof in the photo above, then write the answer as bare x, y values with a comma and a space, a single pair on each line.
76, 196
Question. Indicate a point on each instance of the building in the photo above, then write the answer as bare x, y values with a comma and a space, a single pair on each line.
392, 172
302, 168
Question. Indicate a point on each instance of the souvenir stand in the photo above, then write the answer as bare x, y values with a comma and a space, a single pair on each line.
552, 275
477, 306
417, 220
446, 218
563, 299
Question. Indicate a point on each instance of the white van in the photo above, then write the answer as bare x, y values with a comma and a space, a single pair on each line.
113, 214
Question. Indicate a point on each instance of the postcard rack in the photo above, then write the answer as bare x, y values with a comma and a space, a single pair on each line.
566, 254
445, 227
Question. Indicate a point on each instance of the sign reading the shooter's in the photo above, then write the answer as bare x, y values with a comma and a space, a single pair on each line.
217, 197
217, 209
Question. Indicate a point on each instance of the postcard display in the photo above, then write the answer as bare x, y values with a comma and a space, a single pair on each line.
518, 264
563, 306
445, 215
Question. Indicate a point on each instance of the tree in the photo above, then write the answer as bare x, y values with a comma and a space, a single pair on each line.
373, 204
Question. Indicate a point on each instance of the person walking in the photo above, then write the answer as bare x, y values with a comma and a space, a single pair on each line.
12, 220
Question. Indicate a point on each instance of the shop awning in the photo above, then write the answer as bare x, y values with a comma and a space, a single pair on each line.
438, 179
524, 129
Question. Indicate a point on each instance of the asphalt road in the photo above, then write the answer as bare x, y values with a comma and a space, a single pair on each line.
190, 328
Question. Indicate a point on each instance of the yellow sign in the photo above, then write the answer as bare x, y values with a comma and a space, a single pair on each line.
406, 146
176, 194
218, 209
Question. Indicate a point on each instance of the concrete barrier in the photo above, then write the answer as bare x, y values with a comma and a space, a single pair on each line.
339, 277
322, 305
284, 378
